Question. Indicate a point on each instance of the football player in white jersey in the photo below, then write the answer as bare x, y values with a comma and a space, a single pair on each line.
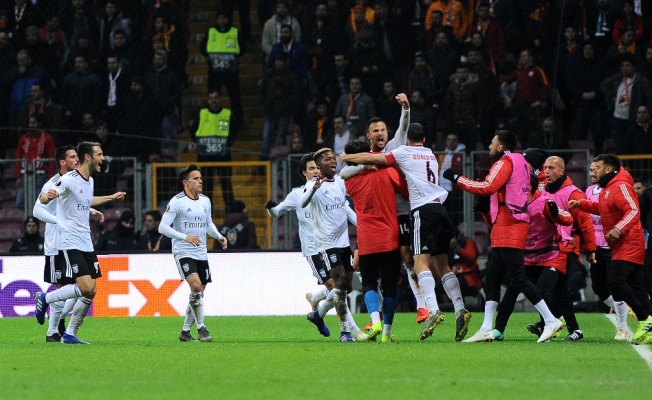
432, 228
326, 196
186, 220
77, 260
308, 169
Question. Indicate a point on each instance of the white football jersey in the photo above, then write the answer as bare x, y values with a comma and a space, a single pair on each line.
50, 239
73, 211
328, 207
421, 171
293, 203
188, 216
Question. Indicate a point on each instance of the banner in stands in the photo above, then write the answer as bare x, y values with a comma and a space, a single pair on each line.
149, 285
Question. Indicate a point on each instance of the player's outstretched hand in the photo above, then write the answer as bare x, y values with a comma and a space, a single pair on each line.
403, 100
118, 196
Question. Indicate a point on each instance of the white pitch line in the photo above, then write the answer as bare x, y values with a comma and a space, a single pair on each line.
642, 350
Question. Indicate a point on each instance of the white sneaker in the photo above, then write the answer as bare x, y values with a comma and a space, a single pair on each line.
549, 330
312, 303
360, 336
622, 334
480, 336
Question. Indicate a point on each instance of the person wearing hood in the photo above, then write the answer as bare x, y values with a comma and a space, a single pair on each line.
507, 184
222, 47
618, 207
238, 230
464, 105
122, 237
31, 241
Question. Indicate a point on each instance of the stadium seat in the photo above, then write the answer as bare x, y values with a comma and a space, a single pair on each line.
7, 238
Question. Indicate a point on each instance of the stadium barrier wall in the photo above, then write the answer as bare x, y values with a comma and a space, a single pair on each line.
255, 284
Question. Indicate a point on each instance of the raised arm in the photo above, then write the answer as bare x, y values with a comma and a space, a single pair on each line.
400, 137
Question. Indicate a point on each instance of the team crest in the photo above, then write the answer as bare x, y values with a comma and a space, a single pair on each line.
57, 275
186, 267
333, 258
75, 268
606, 194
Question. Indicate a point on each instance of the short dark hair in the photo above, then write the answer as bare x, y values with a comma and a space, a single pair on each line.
357, 146
608, 159
507, 139
60, 152
287, 26
373, 121
84, 148
185, 172
416, 133
155, 214
303, 162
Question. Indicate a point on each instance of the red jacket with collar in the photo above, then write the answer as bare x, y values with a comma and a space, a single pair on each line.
618, 206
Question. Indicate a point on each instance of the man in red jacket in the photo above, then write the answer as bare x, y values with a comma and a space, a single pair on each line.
618, 206
508, 184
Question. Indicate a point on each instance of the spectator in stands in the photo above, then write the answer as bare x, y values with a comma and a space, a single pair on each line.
41, 53
422, 113
369, 61
334, 82
222, 48
272, 29
17, 81
532, 91
639, 186
638, 138
115, 87
39, 103
490, 29
454, 14
628, 20
167, 37
81, 93
318, 124
645, 67
214, 133
33, 144
464, 105
463, 259
443, 59
358, 23
31, 241
322, 39
357, 107
296, 53
238, 229
151, 239
281, 92
452, 157
549, 137
338, 138
422, 77
83, 46
55, 37
141, 121
24, 14
437, 26
387, 108
77, 18
165, 88
490, 93
122, 237
625, 92
123, 48
584, 78
110, 21
174, 12
627, 45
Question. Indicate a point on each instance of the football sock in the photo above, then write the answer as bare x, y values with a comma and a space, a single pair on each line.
341, 308
387, 329
609, 301
350, 322
78, 314
375, 317
490, 308
543, 309
389, 307
64, 293
56, 309
412, 279
197, 305
319, 294
372, 301
621, 309
189, 319
427, 285
453, 291
67, 308
326, 305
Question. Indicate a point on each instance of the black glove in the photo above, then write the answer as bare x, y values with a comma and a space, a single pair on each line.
270, 204
451, 175
554, 210
483, 205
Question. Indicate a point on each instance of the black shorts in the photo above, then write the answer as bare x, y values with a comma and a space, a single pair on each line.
75, 263
432, 230
385, 266
319, 268
50, 273
404, 229
338, 256
188, 266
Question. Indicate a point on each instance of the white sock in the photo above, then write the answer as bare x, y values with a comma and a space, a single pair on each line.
70, 304
375, 317
342, 309
387, 330
56, 308
490, 308
64, 293
621, 309
326, 305
197, 306
189, 319
412, 279
319, 294
358, 275
353, 327
78, 314
543, 309
453, 291
609, 301
427, 285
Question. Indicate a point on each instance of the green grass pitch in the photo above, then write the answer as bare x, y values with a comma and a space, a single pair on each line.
286, 358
